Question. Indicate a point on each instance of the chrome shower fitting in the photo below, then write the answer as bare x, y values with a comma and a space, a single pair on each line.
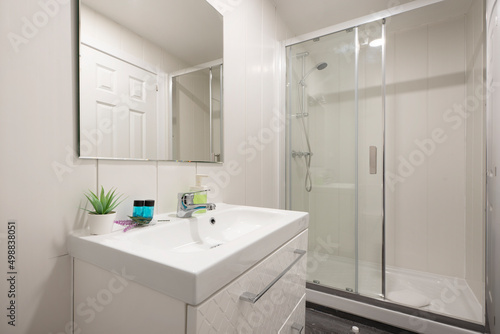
300, 154
301, 114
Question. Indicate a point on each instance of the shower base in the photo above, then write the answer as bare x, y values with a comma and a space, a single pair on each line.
444, 295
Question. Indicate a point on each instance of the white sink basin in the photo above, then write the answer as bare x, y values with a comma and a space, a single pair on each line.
191, 258
205, 232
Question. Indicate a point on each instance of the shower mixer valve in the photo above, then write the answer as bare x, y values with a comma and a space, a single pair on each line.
302, 114
301, 154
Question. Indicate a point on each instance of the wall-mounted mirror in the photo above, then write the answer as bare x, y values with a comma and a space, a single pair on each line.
150, 80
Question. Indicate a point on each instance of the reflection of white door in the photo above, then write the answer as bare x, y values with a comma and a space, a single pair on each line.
118, 107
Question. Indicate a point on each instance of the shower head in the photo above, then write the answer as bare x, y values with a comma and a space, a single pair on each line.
319, 67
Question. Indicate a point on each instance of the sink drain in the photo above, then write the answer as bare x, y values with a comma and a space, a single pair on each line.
215, 246
212, 220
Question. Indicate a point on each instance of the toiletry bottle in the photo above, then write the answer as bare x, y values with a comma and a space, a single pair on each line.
138, 208
149, 208
200, 198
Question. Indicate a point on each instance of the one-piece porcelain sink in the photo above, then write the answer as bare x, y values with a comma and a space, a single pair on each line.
191, 258
205, 232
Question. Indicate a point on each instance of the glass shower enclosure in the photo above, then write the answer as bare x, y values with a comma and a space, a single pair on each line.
385, 149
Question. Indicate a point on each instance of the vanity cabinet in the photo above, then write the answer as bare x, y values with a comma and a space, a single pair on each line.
295, 324
226, 312
107, 302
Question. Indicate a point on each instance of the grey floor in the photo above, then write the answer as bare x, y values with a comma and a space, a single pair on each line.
322, 323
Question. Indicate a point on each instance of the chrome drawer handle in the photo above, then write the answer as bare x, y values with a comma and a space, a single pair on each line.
297, 328
253, 298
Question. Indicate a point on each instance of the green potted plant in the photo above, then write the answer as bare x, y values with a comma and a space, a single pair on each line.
101, 219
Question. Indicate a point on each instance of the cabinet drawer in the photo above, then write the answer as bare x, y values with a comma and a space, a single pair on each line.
226, 312
296, 322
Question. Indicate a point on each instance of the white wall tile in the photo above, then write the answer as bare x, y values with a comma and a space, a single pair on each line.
270, 113
426, 215
217, 181
409, 120
42, 179
173, 178
234, 102
45, 303
134, 179
253, 101
446, 165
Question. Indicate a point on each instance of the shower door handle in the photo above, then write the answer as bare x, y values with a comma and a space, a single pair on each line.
373, 159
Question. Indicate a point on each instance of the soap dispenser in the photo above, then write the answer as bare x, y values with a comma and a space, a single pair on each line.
200, 198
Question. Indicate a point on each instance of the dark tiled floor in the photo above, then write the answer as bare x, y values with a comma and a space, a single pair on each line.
322, 323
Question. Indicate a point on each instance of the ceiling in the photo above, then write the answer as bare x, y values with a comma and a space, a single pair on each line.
188, 29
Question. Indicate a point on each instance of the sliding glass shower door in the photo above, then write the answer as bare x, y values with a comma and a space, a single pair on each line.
410, 171
335, 153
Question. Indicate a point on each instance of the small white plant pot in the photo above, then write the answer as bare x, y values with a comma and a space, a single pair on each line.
101, 224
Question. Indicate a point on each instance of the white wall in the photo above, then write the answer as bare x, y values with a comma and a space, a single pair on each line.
252, 64
38, 133
42, 182
425, 187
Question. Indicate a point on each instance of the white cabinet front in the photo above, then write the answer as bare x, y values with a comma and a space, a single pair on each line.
261, 300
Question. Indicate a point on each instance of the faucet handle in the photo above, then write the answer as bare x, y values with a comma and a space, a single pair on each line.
195, 192
187, 197
190, 193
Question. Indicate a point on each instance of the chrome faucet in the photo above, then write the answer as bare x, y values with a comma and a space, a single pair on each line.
186, 207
